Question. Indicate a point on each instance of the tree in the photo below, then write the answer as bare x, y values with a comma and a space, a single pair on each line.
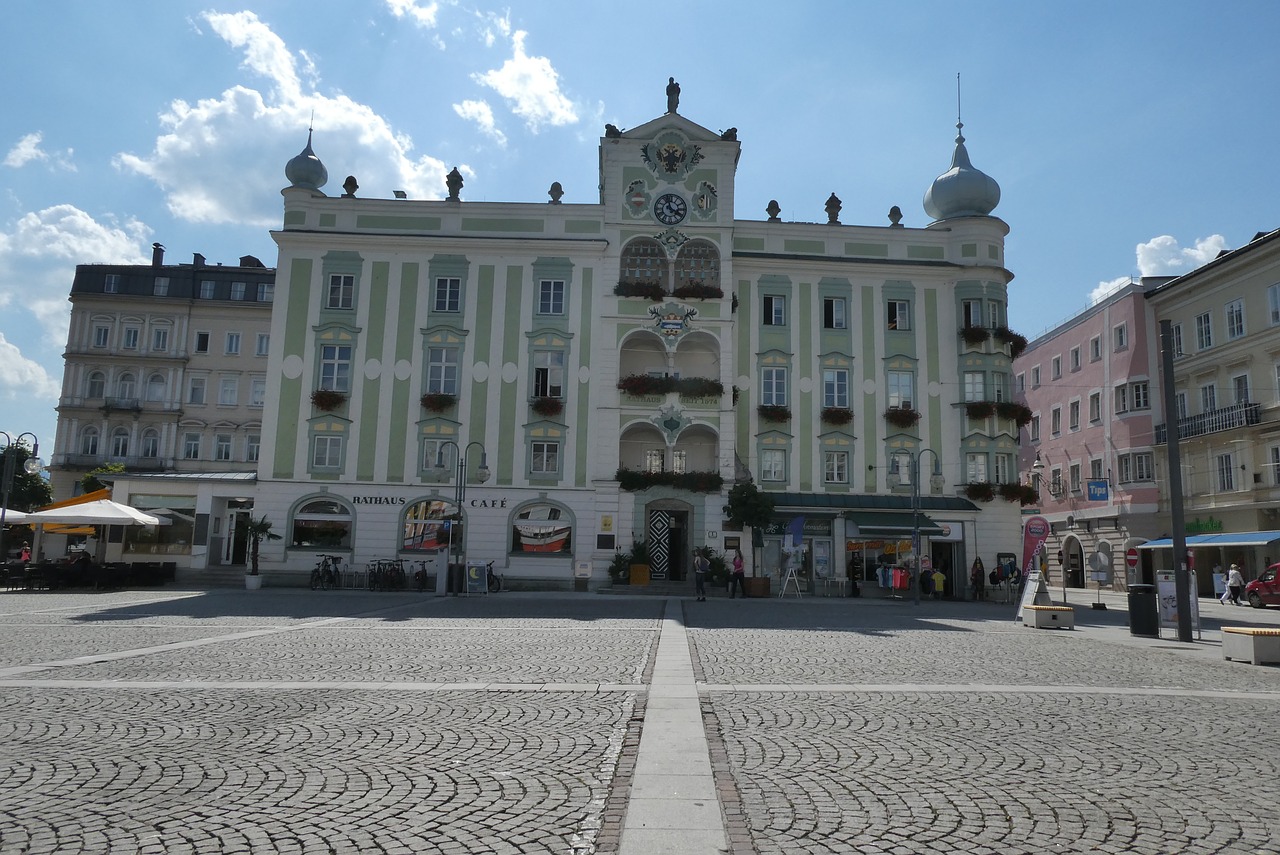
748, 506
29, 491
90, 481
258, 530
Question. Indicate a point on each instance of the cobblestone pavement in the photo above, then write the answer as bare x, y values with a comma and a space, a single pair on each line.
350, 722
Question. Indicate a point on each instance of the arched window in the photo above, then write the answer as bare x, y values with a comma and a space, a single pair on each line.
151, 443
321, 524
155, 387
95, 385
125, 386
427, 525
543, 528
698, 264
120, 443
89, 442
643, 260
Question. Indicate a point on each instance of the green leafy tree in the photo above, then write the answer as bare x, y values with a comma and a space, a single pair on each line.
29, 491
90, 480
258, 530
748, 506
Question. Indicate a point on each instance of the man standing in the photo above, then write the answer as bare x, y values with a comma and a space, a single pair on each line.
700, 567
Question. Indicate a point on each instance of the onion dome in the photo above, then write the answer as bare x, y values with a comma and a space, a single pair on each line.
961, 191
305, 170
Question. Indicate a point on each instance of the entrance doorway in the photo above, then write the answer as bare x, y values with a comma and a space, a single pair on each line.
667, 534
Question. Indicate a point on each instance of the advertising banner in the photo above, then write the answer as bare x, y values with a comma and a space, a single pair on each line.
1035, 531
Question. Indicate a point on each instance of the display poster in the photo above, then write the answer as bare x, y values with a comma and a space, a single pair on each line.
1034, 593
1167, 596
477, 578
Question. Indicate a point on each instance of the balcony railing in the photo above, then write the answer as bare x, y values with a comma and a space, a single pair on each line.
1225, 418
132, 404
91, 461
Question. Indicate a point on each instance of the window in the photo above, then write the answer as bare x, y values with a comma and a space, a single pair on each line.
655, 460
1075, 359
1140, 397
233, 343
833, 313
835, 388
773, 465
266, 292
1095, 407
974, 387
1235, 319
191, 446
995, 311
899, 315
442, 370
548, 374
195, 390
775, 310
1176, 329
544, 458
1208, 398
101, 335
321, 524
126, 387
1122, 399
1035, 377
448, 294
155, 387
335, 367
835, 467
264, 344
902, 389
551, 297
326, 452
150, 444
1274, 453
1022, 383
160, 340
1180, 404
131, 338
1035, 428
999, 386
237, 290
1273, 303
89, 442
1073, 415
341, 291
1240, 386
95, 385
252, 447
206, 289
1204, 331
643, 260
161, 286
971, 311
541, 529
222, 447
1120, 335
1144, 466
119, 444
1055, 419
202, 342
111, 283
1056, 371
1055, 480
1095, 469
679, 461
773, 387
1075, 478
975, 468
1226, 471
1095, 348
228, 391
257, 391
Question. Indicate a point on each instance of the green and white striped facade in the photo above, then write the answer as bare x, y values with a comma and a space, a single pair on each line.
388, 299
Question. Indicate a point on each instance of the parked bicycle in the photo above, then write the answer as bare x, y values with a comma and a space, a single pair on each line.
386, 574
327, 573
493, 580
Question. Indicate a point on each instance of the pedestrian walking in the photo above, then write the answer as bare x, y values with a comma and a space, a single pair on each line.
738, 575
1220, 581
700, 567
978, 581
1235, 583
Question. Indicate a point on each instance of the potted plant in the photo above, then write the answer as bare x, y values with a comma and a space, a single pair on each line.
620, 568
257, 531
327, 399
974, 335
548, 407
774, 413
639, 566
438, 402
980, 491
837, 415
902, 417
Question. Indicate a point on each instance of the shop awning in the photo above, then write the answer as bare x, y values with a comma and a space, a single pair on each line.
1226, 538
890, 523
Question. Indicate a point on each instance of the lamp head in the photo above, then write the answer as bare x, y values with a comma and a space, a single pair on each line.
33, 465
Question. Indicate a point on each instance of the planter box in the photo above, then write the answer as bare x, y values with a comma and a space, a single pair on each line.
639, 574
1254, 645
756, 586
252, 583
1049, 617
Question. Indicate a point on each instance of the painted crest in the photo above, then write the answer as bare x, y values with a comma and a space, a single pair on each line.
672, 320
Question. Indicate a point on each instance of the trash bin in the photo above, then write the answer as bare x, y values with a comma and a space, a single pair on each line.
1144, 614
457, 579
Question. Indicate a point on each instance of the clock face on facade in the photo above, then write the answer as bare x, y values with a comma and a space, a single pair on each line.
670, 209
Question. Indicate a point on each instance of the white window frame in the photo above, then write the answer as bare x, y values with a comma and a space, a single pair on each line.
101, 336
901, 386
835, 315
1234, 312
773, 386
233, 344
773, 465
544, 457
1240, 388
1120, 337
252, 447
335, 367
898, 315
552, 294
111, 283
238, 290
228, 391
341, 292
446, 296
222, 444
1204, 331
191, 446
198, 391
257, 391
131, 337
159, 339
263, 347
774, 310
326, 452
442, 370
548, 373
207, 289
835, 467
835, 387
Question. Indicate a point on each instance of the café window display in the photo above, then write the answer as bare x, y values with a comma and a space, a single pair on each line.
177, 515
542, 528
321, 524
427, 524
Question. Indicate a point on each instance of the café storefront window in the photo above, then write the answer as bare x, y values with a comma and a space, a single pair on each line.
321, 524
427, 525
177, 515
542, 528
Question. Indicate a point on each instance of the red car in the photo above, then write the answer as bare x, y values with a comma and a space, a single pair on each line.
1265, 590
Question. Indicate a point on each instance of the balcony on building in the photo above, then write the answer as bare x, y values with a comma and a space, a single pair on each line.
1243, 414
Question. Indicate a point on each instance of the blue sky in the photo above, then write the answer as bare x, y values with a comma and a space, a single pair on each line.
1128, 138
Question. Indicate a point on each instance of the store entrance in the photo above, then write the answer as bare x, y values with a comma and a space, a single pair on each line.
667, 534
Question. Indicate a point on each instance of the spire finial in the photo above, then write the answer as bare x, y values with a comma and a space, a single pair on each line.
959, 124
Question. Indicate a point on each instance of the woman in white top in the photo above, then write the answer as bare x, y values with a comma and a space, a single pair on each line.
1235, 583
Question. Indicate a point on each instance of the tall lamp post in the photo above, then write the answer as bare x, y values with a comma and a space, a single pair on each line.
1054, 489
460, 488
32, 466
935, 485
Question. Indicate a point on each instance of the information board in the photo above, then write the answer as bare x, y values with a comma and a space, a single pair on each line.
1167, 596
477, 579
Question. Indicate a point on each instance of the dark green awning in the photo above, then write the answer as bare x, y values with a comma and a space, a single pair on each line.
890, 524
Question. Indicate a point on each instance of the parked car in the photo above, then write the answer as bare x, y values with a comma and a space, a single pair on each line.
1265, 590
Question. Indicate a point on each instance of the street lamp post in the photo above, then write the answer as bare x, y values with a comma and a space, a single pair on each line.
1055, 490
32, 465
460, 488
935, 484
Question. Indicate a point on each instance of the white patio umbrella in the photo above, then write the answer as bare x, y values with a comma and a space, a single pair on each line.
12, 517
101, 512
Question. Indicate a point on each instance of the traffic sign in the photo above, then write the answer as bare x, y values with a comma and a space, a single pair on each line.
1131, 557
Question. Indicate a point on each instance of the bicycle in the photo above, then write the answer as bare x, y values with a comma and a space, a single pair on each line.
493, 580
386, 574
327, 573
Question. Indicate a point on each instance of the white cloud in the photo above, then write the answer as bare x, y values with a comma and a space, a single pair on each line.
23, 379
28, 150
1161, 256
494, 26
1106, 289
424, 15
221, 159
482, 114
531, 87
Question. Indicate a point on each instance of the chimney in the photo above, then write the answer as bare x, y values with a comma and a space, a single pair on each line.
157, 255
197, 260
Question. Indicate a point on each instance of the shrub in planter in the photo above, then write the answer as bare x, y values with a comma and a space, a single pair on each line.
1017, 342
980, 491
699, 387
649, 290
1020, 413
327, 399
1024, 494
697, 291
547, 406
980, 409
774, 413
974, 335
633, 481
902, 417
643, 384
837, 415
620, 568
438, 402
